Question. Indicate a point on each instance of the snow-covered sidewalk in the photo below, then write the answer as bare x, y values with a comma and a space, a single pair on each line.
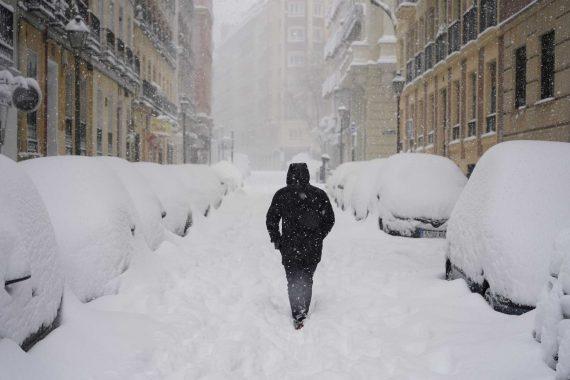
214, 305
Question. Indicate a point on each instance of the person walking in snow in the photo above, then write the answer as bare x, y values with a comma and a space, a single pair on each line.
306, 218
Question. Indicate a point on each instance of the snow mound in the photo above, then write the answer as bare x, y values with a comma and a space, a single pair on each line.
147, 204
243, 164
27, 248
230, 175
363, 197
94, 221
173, 195
505, 221
205, 187
340, 178
420, 185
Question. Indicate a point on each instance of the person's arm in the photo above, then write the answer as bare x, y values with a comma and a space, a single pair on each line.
328, 216
272, 220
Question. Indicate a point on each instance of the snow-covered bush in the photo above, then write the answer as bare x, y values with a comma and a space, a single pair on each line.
173, 195
501, 231
418, 192
94, 221
206, 189
363, 197
229, 174
28, 308
148, 206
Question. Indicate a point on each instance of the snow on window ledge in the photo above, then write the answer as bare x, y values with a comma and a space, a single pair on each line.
488, 134
470, 138
542, 101
453, 142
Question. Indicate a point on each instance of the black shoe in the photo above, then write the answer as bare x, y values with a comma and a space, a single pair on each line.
298, 325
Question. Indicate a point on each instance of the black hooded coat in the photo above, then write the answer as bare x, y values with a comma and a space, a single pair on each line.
306, 216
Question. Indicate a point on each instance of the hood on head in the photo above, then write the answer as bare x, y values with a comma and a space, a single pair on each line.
298, 175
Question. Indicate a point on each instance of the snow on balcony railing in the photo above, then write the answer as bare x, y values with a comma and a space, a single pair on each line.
343, 33
331, 83
332, 11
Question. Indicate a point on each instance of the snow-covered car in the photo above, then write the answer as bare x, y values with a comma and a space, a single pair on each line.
552, 318
363, 197
230, 175
500, 234
94, 221
173, 194
417, 193
147, 203
341, 182
206, 188
32, 281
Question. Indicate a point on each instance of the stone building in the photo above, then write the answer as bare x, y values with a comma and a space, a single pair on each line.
117, 96
360, 58
268, 75
479, 72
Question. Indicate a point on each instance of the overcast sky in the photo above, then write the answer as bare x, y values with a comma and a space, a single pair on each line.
229, 12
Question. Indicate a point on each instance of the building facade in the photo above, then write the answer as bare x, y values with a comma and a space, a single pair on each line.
118, 96
479, 72
268, 74
360, 58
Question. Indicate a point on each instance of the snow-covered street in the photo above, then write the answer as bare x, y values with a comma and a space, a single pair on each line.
214, 305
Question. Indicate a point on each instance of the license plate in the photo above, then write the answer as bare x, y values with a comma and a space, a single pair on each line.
431, 234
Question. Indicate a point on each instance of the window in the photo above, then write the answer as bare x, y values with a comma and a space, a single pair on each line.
99, 147
473, 84
547, 65
32, 117
296, 59
492, 68
6, 32
112, 16
121, 24
430, 137
318, 9
296, 34
296, 8
109, 144
110, 128
520, 77
170, 154
99, 142
456, 133
318, 35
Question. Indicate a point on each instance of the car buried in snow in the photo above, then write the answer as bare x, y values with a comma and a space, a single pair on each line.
501, 232
417, 193
32, 293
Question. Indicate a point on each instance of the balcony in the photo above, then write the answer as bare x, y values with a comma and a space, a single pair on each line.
152, 94
440, 47
410, 71
488, 14
429, 55
45, 8
454, 37
109, 47
348, 32
94, 27
470, 25
419, 64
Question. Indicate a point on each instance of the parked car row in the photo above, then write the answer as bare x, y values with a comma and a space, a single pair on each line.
80, 220
411, 194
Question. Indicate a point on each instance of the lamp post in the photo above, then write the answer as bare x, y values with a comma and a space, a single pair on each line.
344, 114
184, 103
77, 32
398, 86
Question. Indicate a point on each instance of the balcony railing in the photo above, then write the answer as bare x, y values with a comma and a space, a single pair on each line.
429, 55
454, 35
137, 65
94, 27
488, 14
410, 71
419, 64
440, 47
157, 99
130, 58
110, 39
470, 25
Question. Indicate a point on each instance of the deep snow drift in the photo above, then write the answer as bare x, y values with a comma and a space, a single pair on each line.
214, 305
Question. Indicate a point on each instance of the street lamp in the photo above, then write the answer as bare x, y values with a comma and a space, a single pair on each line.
184, 104
77, 32
398, 86
344, 114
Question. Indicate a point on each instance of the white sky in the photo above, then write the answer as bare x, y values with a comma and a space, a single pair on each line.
229, 12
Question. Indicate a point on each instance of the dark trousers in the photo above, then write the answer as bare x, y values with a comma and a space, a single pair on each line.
300, 287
